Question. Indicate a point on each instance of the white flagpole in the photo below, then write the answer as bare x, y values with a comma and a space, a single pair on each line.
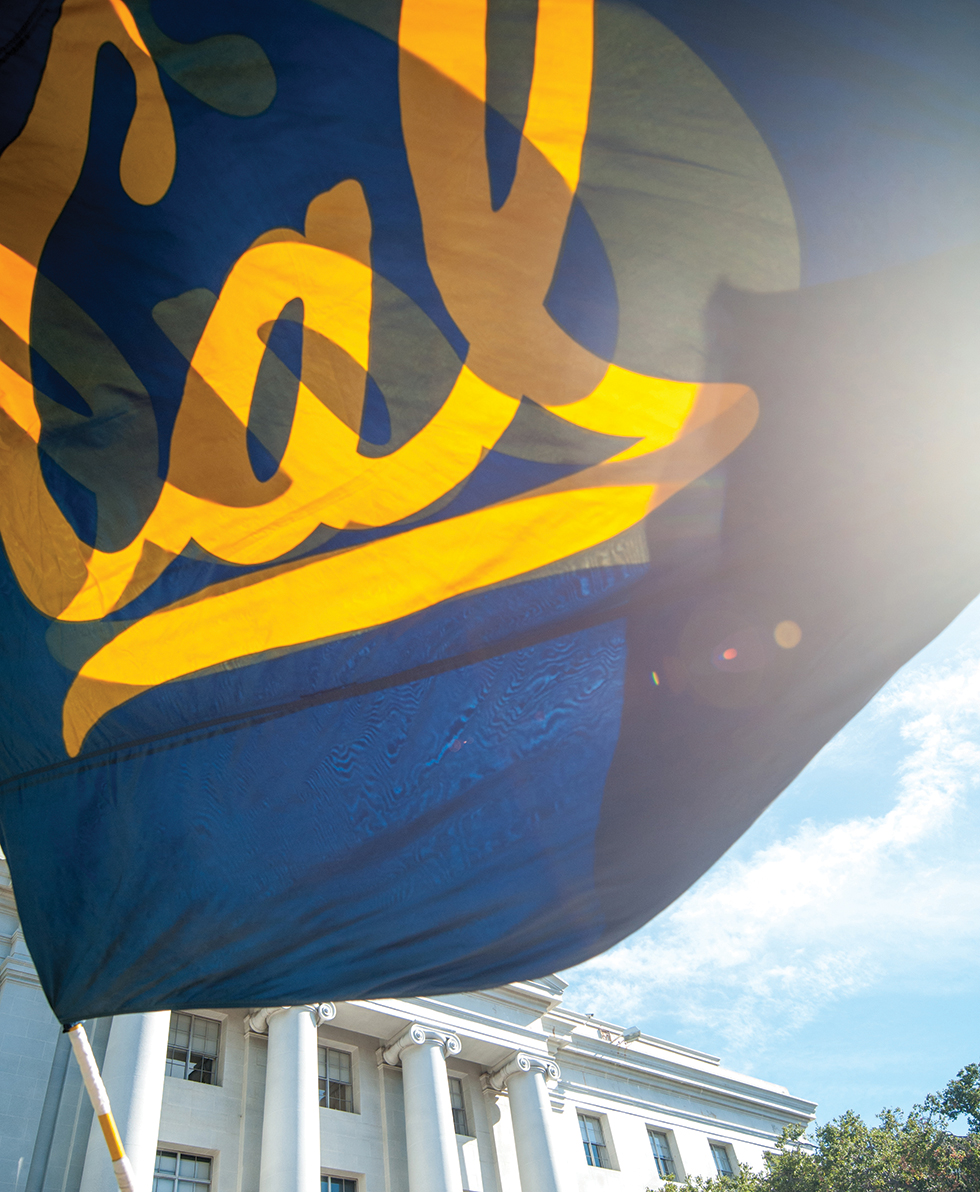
100, 1103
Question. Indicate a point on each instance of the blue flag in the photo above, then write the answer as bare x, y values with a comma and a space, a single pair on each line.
461, 460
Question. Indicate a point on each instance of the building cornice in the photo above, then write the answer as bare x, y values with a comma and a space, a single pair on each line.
721, 1089
17, 965
481, 1028
593, 1100
8, 902
572, 1019
546, 992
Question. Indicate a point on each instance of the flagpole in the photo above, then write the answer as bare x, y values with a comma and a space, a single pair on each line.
121, 1165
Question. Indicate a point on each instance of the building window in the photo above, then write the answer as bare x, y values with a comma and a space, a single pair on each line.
723, 1161
176, 1172
660, 1145
336, 1086
458, 1104
192, 1050
596, 1154
337, 1183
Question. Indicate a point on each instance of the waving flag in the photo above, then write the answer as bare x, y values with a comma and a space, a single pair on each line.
460, 461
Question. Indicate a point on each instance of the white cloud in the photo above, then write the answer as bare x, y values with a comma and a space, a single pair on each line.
760, 945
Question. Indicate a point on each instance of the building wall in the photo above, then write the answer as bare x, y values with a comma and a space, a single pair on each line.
45, 1119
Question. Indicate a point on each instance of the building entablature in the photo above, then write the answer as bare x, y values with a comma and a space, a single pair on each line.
607, 1039
485, 1041
659, 1085
659, 1078
17, 964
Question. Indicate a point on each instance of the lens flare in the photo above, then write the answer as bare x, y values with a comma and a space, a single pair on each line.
787, 634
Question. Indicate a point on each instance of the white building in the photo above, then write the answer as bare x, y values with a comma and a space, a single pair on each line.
501, 1091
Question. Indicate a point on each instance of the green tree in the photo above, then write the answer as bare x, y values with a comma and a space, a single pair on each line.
915, 1152
960, 1097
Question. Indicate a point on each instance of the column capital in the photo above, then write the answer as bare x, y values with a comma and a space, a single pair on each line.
415, 1036
258, 1020
520, 1063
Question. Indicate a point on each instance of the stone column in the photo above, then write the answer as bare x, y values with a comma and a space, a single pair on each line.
524, 1077
133, 1070
291, 1115
433, 1160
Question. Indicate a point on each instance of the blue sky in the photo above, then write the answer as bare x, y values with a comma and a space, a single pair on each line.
834, 948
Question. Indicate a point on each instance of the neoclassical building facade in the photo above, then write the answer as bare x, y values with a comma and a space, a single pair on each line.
506, 1090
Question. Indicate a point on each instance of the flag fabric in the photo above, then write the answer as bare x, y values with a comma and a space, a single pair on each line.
460, 461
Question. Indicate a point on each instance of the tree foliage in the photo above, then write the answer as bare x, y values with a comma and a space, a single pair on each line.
915, 1152
961, 1097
